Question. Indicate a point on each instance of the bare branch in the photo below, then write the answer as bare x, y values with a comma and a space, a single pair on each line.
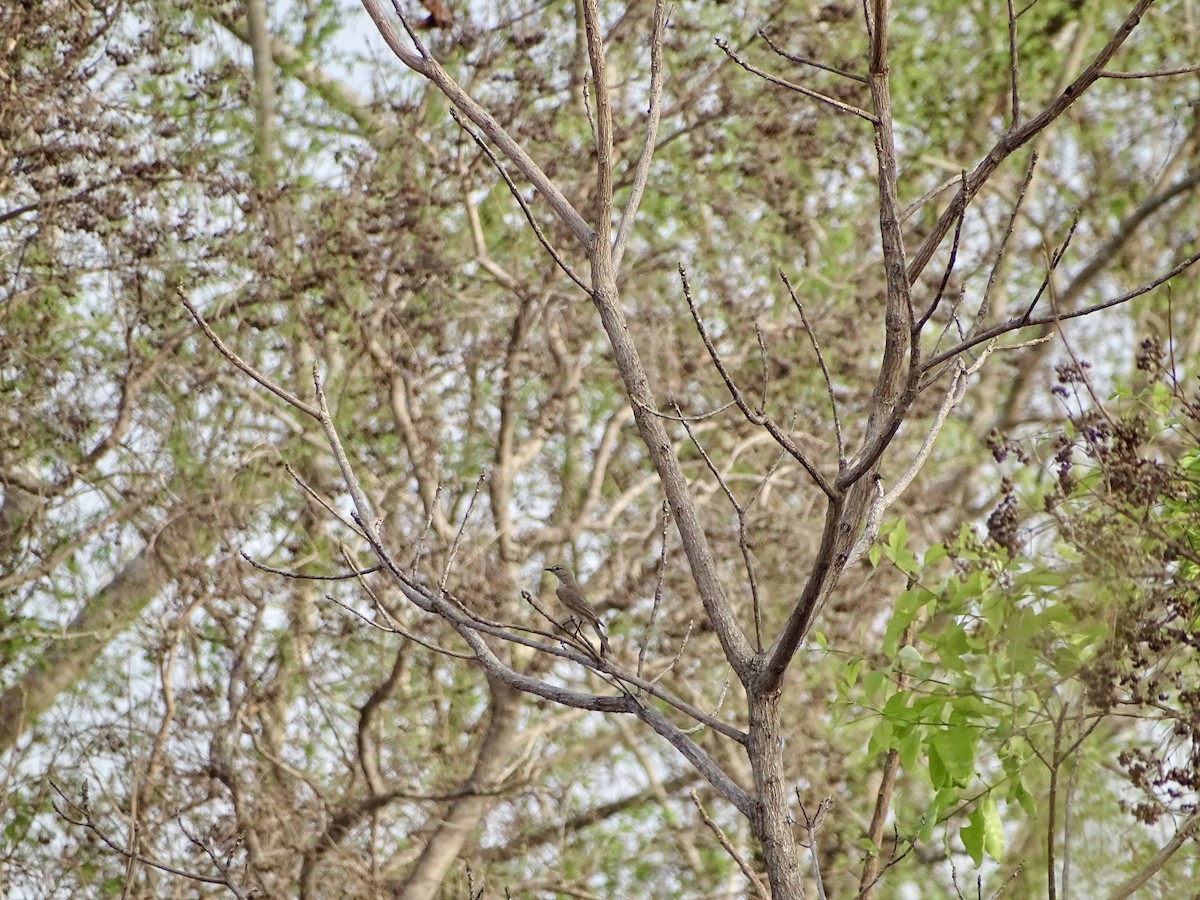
759, 888
937, 298
807, 92
695, 542
661, 569
674, 659
1055, 259
805, 61
893, 392
654, 113
698, 417
318, 499
431, 69
812, 824
604, 128
289, 399
1016, 138
1185, 832
457, 542
912, 208
755, 417
470, 630
743, 541
87, 822
1161, 73
812, 337
1002, 250
1018, 323
525, 210
300, 576
1014, 70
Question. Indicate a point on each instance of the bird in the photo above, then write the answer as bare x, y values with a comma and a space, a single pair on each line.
570, 594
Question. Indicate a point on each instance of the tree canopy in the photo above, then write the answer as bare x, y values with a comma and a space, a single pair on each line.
846, 353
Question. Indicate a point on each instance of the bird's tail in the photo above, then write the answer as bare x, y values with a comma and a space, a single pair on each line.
604, 649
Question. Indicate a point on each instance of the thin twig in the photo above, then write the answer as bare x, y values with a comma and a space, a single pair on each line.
912, 208
665, 517
1013, 66
400, 630
431, 69
285, 396
419, 546
895, 858
813, 824
698, 417
641, 173
1161, 73
762, 357
88, 823
412, 35
759, 888
716, 707
380, 609
1016, 138
1018, 323
525, 210
321, 501
805, 61
743, 543
946, 274
1055, 259
784, 83
812, 337
1002, 250
461, 529
755, 417
300, 576
678, 655
883, 795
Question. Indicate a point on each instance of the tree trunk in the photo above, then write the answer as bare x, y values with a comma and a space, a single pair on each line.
772, 819
189, 534
465, 813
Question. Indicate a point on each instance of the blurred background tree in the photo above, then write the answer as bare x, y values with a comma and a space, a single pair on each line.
284, 736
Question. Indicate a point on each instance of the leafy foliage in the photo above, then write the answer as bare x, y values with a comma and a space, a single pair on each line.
1065, 654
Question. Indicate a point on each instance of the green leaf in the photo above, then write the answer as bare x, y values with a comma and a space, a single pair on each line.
909, 751
850, 673
972, 835
908, 605
1022, 795
952, 647
910, 656
993, 830
896, 708
938, 775
881, 737
1039, 577
955, 748
970, 706
871, 683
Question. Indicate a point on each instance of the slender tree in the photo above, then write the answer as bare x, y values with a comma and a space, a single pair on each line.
725, 327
